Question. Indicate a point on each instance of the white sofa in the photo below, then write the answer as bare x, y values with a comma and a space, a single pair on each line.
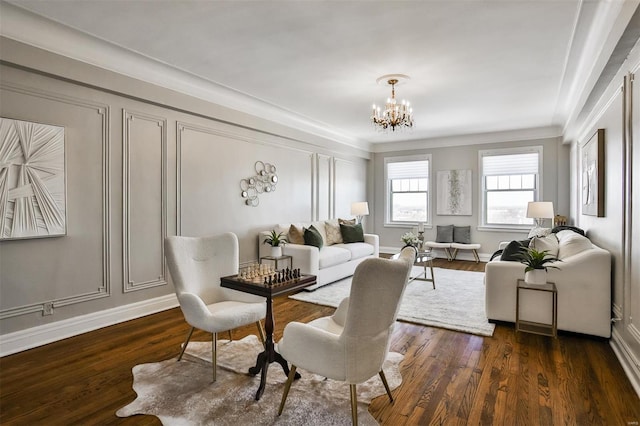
330, 263
583, 283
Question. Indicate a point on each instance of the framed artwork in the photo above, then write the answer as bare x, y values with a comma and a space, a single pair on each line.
32, 180
592, 164
454, 192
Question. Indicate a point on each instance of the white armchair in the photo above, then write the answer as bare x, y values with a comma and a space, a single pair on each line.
196, 265
352, 344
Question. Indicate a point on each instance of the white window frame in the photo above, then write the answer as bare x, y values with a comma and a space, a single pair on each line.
537, 193
387, 191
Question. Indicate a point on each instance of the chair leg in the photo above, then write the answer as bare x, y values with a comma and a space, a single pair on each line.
354, 405
287, 386
261, 333
386, 385
214, 355
230, 337
186, 342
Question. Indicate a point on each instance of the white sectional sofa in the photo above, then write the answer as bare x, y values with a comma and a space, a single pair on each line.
583, 283
332, 262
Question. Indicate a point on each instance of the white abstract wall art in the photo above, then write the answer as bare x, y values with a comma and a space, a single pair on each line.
454, 192
32, 180
593, 175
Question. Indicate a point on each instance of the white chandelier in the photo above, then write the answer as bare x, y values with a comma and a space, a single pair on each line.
394, 115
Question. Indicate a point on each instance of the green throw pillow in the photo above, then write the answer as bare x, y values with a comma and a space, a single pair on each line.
352, 233
312, 237
512, 250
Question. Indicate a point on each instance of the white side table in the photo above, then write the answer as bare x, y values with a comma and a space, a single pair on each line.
278, 259
536, 327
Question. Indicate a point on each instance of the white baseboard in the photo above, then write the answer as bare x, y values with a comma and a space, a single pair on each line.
41, 335
630, 364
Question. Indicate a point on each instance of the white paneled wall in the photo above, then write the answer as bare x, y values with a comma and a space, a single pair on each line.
139, 169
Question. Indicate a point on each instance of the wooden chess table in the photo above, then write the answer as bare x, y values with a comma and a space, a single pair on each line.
284, 284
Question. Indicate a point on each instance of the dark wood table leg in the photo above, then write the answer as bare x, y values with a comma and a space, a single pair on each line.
269, 354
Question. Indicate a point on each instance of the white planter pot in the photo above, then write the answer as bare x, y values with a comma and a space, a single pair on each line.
536, 276
276, 251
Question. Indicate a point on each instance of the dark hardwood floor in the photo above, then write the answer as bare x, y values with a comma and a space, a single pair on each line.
448, 377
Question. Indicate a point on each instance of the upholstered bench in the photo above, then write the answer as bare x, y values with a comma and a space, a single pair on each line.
474, 247
445, 246
451, 239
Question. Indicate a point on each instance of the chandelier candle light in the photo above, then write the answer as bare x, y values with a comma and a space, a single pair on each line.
394, 114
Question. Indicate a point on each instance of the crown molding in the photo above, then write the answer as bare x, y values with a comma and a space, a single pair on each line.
29, 28
609, 23
472, 139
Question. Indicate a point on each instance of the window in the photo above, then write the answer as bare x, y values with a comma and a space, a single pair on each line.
407, 196
510, 179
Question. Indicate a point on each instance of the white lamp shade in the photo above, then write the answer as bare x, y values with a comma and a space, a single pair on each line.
540, 210
360, 208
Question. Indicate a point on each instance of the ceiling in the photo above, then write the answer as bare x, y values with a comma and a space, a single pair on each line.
476, 67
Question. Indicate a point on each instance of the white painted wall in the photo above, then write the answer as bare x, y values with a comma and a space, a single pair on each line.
144, 162
617, 112
555, 187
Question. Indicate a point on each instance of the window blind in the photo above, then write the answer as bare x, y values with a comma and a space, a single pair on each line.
408, 169
510, 164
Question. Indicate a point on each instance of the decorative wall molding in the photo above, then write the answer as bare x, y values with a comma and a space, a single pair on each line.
182, 126
37, 336
630, 363
634, 332
128, 121
596, 114
617, 310
335, 177
507, 136
323, 187
104, 288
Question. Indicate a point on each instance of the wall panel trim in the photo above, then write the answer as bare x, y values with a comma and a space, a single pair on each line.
128, 118
104, 288
181, 126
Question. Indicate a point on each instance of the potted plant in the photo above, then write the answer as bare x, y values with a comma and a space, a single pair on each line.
276, 240
537, 264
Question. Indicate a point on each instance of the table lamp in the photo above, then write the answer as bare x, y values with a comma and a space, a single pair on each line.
539, 211
359, 210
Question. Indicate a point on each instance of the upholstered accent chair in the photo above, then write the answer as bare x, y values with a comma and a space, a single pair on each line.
196, 265
352, 344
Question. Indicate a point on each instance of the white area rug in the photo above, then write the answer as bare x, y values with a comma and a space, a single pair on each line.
182, 393
457, 303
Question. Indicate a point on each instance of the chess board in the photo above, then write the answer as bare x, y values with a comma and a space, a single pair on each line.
256, 284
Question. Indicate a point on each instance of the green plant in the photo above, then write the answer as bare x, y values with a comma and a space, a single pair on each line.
275, 239
536, 259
